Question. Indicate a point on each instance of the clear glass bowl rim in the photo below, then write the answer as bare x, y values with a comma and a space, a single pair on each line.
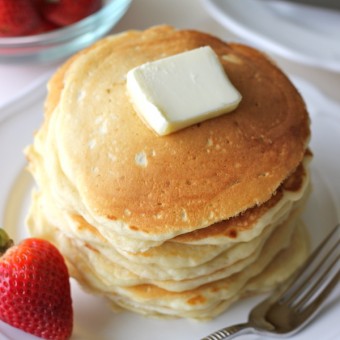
65, 33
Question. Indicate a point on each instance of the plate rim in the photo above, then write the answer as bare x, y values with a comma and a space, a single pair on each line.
300, 84
217, 9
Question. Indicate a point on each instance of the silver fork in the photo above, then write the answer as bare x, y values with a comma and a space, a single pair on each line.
294, 304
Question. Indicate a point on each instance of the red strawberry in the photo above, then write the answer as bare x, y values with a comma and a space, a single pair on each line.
35, 288
67, 12
44, 27
17, 17
38, 3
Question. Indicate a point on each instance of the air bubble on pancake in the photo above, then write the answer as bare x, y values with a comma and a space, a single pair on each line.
211, 215
263, 174
258, 76
95, 170
232, 58
92, 143
103, 128
141, 159
98, 120
184, 215
81, 95
112, 157
159, 216
210, 142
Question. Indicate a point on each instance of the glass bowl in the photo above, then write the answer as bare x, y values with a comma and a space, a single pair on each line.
61, 43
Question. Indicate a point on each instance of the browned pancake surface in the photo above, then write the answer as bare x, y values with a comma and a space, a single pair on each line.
188, 180
246, 220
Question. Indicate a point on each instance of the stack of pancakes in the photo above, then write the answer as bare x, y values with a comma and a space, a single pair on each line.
180, 225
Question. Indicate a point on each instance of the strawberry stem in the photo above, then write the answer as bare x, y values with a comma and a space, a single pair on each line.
5, 241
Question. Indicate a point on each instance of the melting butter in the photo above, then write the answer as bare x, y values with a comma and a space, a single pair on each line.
175, 92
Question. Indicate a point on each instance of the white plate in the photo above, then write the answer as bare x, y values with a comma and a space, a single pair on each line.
16, 81
302, 33
93, 319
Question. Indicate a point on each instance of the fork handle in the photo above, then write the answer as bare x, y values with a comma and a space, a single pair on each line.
230, 332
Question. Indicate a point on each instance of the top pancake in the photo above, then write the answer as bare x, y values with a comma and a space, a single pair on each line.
190, 179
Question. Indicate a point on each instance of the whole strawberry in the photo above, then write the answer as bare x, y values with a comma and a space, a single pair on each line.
67, 12
44, 27
17, 17
35, 288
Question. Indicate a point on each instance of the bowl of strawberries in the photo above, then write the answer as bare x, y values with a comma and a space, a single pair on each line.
50, 30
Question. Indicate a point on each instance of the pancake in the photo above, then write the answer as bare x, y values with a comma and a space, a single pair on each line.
210, 213
125, 273
170, 260
191, 174
255, 220
199, 303
279, 269
88, 266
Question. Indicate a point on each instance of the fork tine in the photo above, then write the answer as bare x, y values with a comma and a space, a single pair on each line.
314, 306
274, 316
318, 272
316, 287
297, 286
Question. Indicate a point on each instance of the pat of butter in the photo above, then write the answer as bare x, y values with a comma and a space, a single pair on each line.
178, 91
